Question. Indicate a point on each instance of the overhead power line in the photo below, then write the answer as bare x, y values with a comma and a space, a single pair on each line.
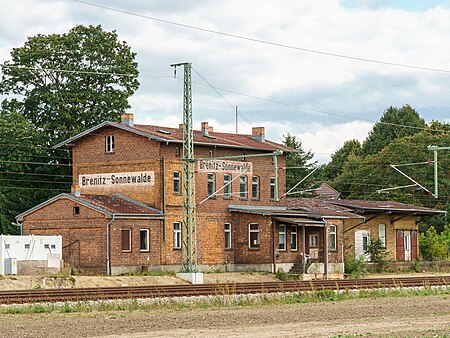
223, 97
266, 42
319, 110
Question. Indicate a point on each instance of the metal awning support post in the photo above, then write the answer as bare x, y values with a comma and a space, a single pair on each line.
304, 248
275, 169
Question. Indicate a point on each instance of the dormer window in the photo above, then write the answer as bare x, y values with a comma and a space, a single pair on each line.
110, 143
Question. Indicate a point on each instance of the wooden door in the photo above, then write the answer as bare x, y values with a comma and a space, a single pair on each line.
400, 246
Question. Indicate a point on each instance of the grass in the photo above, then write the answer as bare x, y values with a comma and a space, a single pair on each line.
224, 298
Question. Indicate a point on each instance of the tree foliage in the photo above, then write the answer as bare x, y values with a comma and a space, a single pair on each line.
336, 166
67, 81
298, 163
389, 129
361, 177
56, 85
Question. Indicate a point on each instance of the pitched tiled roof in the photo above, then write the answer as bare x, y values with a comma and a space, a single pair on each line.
319, 207
118, 204
384, 206
299, 207
115, 204
166, 134
327, 192
213, 138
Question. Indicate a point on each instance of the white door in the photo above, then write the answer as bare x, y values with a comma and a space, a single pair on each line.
314, 246
362, 240
407, 244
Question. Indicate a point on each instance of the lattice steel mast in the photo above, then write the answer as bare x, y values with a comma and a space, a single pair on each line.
189, 235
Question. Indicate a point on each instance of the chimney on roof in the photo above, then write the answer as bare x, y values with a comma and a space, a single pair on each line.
181, 126
205, 128
75, 190
127, 119
258, 134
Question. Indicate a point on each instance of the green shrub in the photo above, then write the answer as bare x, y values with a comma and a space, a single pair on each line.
356, 267
434, 246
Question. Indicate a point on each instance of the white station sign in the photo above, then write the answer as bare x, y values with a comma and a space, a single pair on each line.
128, 179
225, 166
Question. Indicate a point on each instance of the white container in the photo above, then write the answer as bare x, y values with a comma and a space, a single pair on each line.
11, 266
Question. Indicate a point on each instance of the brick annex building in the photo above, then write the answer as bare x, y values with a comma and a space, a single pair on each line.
124, 213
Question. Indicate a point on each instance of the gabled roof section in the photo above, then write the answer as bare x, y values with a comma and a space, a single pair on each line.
359, 206
69, 141
111, 205
327, 192
175, 135
319, 208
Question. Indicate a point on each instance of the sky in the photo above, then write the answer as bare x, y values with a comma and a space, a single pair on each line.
322, 99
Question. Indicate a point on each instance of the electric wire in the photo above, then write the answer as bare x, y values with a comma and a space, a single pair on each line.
33, 174
223, 97
265, 42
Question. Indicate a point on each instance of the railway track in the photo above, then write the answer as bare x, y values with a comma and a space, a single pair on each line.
155, 291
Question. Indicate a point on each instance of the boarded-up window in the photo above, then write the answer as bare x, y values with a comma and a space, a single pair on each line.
126, 240
400, 246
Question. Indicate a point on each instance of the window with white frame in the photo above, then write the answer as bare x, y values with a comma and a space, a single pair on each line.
227, 186
126, 240
243, 186
176, 182
313, 240
255, 187
253, 236
272, 188
144, 239
211, 184
382, 234
333, 237
109, 144
227, 228
282, 237
294, 239
177, 235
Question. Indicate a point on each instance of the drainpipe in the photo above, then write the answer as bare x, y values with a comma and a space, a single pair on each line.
108, 260
326, 249
20, 227
274, 247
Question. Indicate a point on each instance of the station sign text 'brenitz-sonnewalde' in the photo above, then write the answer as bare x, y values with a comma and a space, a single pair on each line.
138, 178
225, 166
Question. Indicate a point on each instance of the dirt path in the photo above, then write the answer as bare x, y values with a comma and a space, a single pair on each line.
399, 317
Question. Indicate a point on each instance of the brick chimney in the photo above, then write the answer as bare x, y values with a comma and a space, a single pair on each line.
181, 126
205, 128
258, 134
75, 190
127, 119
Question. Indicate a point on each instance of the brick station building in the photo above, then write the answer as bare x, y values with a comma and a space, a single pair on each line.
125, 209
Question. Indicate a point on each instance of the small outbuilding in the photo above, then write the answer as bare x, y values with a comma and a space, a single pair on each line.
30, 255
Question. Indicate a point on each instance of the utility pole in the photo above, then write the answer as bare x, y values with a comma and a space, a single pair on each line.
435, 150
188, 229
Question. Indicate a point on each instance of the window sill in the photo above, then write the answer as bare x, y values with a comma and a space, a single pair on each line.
254, 249
228, 249
144, 250
126, 251
176, 249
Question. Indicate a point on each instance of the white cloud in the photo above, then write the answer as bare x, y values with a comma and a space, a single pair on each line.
336, 85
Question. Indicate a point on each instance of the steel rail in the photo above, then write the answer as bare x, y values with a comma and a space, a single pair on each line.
164, 291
